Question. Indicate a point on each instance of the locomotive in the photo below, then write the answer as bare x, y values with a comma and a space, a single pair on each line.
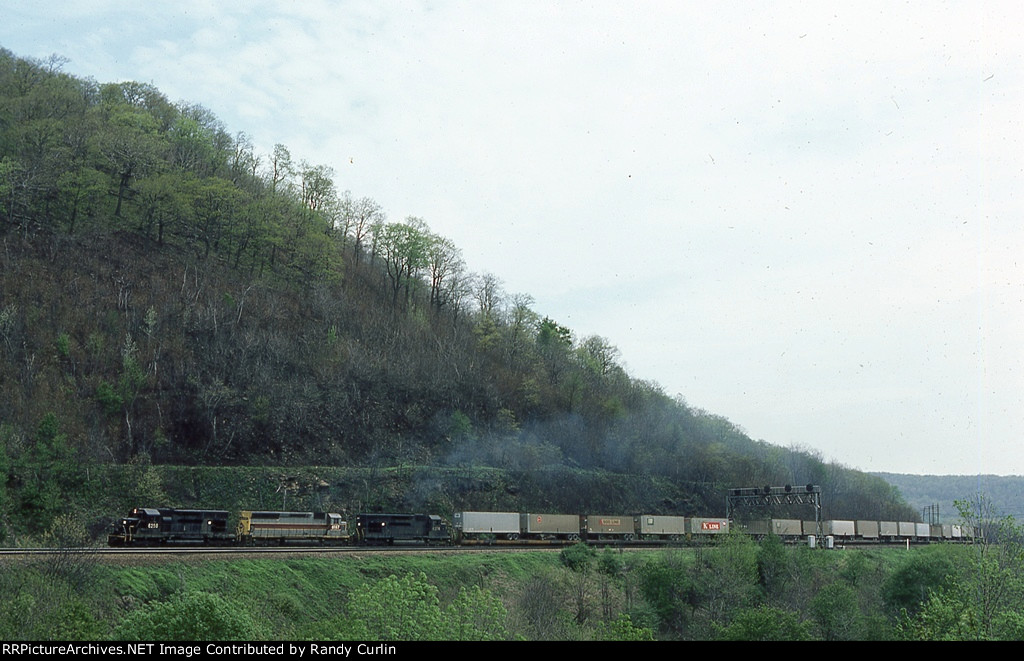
145, 526
160, 526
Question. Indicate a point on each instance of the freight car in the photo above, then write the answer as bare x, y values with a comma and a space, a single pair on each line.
657, 527
550, 526
609, 527
487, 526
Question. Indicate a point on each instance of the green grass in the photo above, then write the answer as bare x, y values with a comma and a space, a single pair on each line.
286, 598
305, 597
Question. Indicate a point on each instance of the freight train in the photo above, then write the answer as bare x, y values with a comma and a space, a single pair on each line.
163, 526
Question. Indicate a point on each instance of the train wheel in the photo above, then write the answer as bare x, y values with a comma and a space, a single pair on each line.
628, 537
513, 536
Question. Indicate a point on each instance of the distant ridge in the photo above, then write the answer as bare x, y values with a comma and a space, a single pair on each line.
1005, 491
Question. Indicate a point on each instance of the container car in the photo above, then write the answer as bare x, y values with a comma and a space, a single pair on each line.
844, 529
867, 529
550, 526
787, 528
707, 526
606, 526
654, 526
888, 530
486, 525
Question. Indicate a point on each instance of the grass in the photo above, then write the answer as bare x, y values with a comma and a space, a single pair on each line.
286, 598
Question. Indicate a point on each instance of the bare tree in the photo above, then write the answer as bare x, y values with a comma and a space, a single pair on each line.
489, 294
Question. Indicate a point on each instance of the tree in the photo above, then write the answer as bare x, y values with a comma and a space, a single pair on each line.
475, 614
444, 263
920, 574
598, 355
983, 601
489, 295
764, 623
668, 586
131, 145
395, 608
408, 608
281, 168
773, 566
835, 611
163, 200
188, 617
317, 190
357, 219
214, 208
622, 628
46, 472
553, 335
994, 583
403, 247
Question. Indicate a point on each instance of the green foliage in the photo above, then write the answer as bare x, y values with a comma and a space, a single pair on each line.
408, 608
773, 566
669, 587
460, 427
394, 608
663, 594
188, 616
982, 599
764, 623
39, 606
578, 557
922, 572
63, 345
835, 612
609, 563
109, 399
46, 473
475, 614
853, 568
552, 335
941, 617
622, 628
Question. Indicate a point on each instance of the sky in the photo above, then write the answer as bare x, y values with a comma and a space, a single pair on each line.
804, 217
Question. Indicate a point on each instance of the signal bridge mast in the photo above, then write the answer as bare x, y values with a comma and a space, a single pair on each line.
762, 498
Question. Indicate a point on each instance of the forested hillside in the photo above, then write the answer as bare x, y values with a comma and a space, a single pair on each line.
1006, 493
169, 295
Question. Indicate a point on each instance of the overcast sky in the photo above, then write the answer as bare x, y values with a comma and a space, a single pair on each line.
805, 217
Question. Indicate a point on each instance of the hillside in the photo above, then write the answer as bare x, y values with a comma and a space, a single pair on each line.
169, 296
1006, 493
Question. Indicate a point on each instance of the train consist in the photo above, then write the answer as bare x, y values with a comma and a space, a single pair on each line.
153, 527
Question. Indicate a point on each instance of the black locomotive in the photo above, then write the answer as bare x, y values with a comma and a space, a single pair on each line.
146, 526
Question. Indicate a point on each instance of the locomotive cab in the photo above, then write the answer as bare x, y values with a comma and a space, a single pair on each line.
141, 524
